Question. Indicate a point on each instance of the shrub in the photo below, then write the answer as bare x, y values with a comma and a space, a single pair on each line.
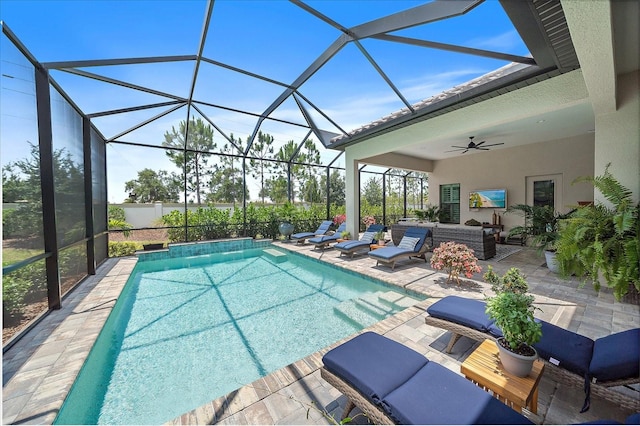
123, 248
456, 258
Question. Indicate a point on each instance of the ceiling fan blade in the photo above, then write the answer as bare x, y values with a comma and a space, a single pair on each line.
454, 150
483, 149
464, 151
461, 147
494, 144
479, 143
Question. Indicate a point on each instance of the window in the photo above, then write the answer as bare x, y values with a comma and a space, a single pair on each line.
450, 203
543, 193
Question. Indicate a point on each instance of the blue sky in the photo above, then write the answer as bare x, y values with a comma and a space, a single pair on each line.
275, 39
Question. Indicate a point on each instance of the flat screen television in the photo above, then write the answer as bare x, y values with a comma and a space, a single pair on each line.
488, 198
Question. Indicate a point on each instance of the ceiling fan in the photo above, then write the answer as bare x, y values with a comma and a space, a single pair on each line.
473, 145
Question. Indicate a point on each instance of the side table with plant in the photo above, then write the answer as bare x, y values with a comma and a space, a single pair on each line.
512, 309
456, 258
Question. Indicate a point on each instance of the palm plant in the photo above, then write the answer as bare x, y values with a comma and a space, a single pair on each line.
603, 240
541, 224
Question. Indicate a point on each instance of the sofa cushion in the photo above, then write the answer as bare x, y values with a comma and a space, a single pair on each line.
436, 395
467, 312
616, 356
373, 364
565, 348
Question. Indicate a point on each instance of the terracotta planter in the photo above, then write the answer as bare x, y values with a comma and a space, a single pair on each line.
518, 365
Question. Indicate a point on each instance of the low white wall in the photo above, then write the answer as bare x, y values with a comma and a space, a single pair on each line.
149, 215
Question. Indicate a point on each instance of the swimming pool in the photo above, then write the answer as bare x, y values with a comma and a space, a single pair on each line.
188, 330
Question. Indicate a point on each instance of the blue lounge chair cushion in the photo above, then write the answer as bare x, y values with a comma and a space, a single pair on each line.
435, 395
468, 312
616, 356
351, 244
322, 229
408, 243
421, 233
565, 348
388, 253
373, 364
328, 238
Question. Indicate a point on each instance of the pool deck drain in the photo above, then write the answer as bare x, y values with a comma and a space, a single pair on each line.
39, 370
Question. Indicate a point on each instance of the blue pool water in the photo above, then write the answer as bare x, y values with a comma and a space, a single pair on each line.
186, 331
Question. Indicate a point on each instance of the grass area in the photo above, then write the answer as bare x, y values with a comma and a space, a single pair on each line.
15, 255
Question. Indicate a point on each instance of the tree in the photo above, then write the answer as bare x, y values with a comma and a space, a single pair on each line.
336, 187
373, 191
310, 189
285, 156
151, 186
276, 189
227, 181
193, 164
261, 150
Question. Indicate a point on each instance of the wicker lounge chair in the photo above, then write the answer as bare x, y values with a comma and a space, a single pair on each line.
392, 383
301, 237
570, 358
414, 243
323, 241
352, 247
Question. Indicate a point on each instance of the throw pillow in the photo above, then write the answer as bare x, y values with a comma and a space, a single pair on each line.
368, 237
408, 243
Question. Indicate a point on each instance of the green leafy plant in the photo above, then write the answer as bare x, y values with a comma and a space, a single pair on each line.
541, 225
123, 248
512, 309
345, 235
379, 236
603, 240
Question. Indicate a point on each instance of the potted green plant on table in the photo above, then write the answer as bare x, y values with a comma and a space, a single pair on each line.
379, 237
512, 309
540, 229
286, 214
345, 235
603, 240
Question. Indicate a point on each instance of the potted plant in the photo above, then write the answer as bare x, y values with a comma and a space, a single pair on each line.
345, 235
379, 237
456, 258
512, 309
603, 240
286, 214
540, 229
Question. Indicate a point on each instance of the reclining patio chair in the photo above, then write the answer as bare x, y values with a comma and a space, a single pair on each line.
413, 244
569, 357
392, 383
364, 243
323, 241
300, 237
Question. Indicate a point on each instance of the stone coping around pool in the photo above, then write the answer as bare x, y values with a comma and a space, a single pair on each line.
251, 397
199, 248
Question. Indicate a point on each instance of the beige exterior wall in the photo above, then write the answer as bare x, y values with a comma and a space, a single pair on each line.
509, 168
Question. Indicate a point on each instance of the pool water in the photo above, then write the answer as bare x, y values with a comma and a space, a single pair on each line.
186, 331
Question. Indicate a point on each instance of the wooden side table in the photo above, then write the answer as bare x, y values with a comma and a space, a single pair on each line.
375, 246
483, 367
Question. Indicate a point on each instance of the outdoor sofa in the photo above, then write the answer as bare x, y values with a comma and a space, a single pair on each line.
570, 358
414, 243
300, 237
392, 383
351, 247
323, 241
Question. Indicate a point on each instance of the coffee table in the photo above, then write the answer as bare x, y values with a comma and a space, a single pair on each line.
483, 367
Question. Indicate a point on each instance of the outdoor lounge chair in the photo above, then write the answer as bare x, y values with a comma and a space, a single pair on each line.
569, 357
354, 246
300, 237
413, 244
323, 241
392, 383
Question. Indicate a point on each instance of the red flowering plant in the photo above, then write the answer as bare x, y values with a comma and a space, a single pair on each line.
457, 259
368, 221
339, 219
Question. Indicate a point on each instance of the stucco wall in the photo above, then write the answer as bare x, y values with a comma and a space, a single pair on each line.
508, 168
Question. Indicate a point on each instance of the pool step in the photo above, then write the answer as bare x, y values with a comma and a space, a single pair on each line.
372, 303
396, 300
276, 255
350, 311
